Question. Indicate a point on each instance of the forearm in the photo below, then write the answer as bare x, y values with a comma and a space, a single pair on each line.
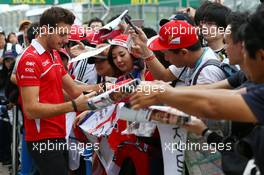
218, 85
158, 71
79, 89
215, 104
66, 96
42, 110
13, 78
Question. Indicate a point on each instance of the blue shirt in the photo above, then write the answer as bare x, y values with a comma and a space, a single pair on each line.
255, 101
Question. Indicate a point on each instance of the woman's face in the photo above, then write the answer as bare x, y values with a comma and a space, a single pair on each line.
122, 59
13, 39
8, 62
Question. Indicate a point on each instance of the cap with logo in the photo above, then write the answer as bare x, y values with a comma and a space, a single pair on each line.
77, 33
174, 34
120, 40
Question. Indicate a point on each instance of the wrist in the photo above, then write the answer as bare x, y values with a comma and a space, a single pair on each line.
74, 106
147, 55
150, 58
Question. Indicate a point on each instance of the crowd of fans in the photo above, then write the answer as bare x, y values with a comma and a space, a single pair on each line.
206, 62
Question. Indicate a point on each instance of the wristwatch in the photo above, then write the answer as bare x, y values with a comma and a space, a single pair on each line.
206, 133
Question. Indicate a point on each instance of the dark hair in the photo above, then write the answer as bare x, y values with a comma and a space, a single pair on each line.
199, 14
254, 36
185, 17
56, 15
32, 31
216, 12
139, 63
94, 20
2, 33
178, 16
9, 35
191, 48
149, 32
237, 20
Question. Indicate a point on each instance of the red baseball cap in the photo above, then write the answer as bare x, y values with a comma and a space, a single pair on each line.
77, 33
174, 34
120, 40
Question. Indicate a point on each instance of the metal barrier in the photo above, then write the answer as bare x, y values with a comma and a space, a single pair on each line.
15, 141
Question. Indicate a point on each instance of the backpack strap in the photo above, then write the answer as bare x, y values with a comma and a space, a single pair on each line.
174, 82
211, 62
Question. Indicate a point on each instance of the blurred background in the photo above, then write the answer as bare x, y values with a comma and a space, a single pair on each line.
12, 12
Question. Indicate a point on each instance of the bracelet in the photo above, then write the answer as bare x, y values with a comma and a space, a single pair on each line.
204, 131
207, 133
74, 106
150, 55
150, 58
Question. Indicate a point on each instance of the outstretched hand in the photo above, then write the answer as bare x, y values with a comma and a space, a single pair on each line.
196, 126
139, 47
147, 94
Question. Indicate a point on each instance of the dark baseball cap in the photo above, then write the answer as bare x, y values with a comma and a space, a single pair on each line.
92, 60
178, 16
9, 54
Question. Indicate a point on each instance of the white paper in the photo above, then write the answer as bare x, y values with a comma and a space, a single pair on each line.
173, 158
100, 122
113, 24
89, 53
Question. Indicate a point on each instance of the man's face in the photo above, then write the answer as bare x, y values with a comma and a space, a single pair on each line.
2, 41
103, 68
59, 36
211, 32
96, 25
254, 66
233, 50
176, 59
8, 62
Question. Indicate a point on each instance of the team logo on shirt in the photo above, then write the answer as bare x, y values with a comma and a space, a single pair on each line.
29, 70
30, 63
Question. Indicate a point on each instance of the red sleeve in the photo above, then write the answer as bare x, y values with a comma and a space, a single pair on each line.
63, 71
28, 71
148, 76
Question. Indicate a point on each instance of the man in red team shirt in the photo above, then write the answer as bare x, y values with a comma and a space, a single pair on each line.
41, 78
